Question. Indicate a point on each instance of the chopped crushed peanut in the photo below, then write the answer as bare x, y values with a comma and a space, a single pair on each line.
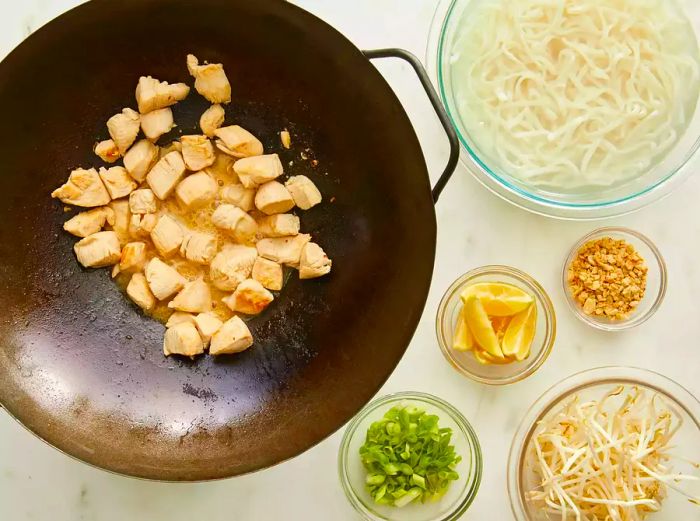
608, 278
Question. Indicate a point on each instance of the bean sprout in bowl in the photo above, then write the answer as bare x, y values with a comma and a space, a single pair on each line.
614, 443
575, 109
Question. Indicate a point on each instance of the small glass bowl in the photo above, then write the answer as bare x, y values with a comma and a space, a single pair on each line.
464, 362
459, 495
656, 279
593, 384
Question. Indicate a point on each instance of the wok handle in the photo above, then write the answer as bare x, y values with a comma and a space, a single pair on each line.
437, 105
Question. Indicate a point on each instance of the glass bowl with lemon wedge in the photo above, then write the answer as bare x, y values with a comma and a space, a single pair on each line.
496, 325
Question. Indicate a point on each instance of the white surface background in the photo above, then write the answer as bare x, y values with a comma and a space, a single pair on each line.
474, 228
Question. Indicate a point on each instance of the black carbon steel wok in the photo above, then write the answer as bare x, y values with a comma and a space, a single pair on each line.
81, 366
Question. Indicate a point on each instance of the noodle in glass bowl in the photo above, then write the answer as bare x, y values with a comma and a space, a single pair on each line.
561, 113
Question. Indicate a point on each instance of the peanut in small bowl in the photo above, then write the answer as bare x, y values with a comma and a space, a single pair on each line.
465, 362
616, 311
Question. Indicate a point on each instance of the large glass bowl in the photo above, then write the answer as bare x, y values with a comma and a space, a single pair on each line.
650, 186
593, 384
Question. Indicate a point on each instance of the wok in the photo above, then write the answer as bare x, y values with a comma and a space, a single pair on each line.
81, 366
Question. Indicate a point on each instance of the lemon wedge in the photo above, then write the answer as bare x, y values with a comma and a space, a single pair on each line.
463, 340
520, 334
486, 359
478, 322
500, 324
498, 298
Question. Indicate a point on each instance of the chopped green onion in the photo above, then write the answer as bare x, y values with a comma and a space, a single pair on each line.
409, 496
418, 480
408, 457
375, 479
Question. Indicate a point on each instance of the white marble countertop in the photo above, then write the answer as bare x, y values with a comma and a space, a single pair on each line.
474, 228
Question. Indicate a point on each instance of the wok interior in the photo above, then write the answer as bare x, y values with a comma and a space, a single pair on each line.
81, 366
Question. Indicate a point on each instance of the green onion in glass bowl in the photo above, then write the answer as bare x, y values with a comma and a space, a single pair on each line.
408, 457
411, 457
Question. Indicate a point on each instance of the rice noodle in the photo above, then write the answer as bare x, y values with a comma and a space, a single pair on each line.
573, 93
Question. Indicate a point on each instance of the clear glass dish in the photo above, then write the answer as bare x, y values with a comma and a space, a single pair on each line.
464, 362
637, 193
460, 494
656, 279
595, 383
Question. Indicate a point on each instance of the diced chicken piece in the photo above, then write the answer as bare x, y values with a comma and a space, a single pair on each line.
133, 257
268, 273
166, 174
140, 159
141, 226
173, 146
250, 298
237, 142
210, 80
196, 190
157, 122
116, 270
109, 212
235, 221
152, 94
286, 139
254, 171
178, 317
163, 280
123, 129
223, 168
98, 250
121, 216
232, 337
211, 119
83, 188
272, 198
207, 324
285, 250
143, 201
87, 223
182, 339
140, 293
117, 181
197, 152
279, 225
148, 222
304, 191
313, 262
107, 151
239, 195
135, 229
231, 266
199, 247
167, 236
195, 297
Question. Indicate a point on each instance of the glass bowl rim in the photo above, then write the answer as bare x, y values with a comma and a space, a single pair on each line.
514, 189
556, 393
633, 321
473, 479
540, 294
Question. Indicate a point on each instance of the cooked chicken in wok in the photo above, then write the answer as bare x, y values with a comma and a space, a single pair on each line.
203, 230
